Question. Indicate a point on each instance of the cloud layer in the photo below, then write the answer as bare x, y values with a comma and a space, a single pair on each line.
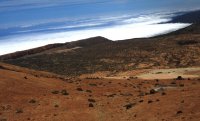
114, 28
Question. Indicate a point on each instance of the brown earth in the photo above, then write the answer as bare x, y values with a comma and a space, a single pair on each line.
27, 96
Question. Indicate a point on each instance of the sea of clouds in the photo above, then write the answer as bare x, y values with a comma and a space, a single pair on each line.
113, 28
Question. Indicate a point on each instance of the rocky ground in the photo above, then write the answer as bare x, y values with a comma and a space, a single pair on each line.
39, 96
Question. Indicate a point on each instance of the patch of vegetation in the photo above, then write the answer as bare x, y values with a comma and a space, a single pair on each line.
126, 55
141, 101
64, 92
79, 89
187, 42
92, 84
181, 85
32, 101
56, 106
152, 91
19, 111
91, 100
89, 91
3, 119
91, 105
130, 105
179, 112
55, 92
179, 78
163, 93
150, 101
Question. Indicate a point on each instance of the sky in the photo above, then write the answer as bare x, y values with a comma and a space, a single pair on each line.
26, 24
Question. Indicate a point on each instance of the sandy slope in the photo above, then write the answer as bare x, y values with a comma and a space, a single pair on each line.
26, 96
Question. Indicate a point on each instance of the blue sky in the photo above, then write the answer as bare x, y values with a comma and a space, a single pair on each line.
24, 12
40, 22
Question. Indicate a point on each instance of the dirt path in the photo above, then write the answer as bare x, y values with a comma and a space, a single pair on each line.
171, 73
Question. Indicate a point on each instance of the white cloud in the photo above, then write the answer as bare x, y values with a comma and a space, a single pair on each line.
7, 5
118, 32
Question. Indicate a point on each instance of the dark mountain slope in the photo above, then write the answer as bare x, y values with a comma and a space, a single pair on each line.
172, 51
188, 17
82, 43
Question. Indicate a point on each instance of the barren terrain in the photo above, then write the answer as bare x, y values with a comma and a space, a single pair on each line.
36, 96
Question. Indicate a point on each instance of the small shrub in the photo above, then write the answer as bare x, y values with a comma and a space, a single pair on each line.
173, 82
128, 106
159, 72
55, 92
56, 106
32, 101
93, 84
141, 101
163, 93
179, 112
157, 100
64, 92
152, 91
89, 91
187, 42
91, 100
179, 78
79, 89
3, 119
91, 105
150, 101
19, 111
